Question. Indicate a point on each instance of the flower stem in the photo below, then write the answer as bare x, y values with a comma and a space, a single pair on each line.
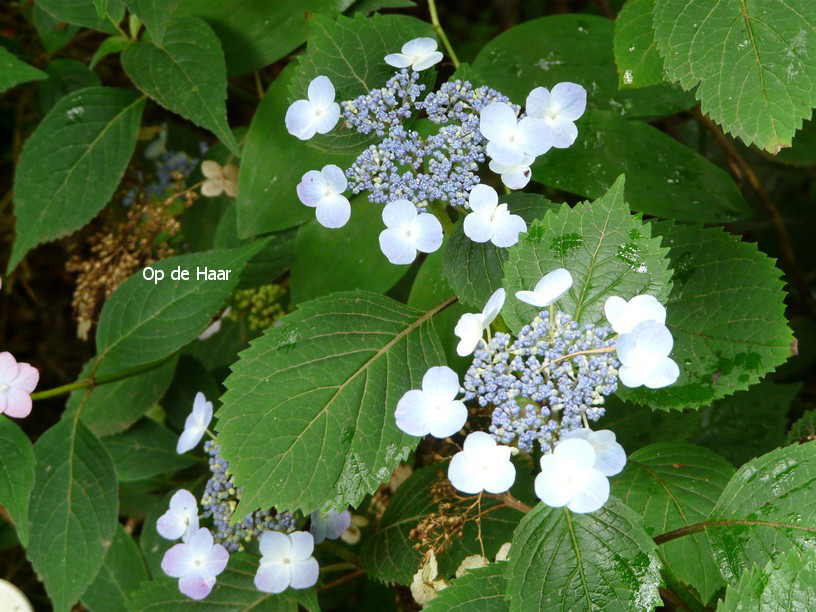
605, 349
437, 209
441, 33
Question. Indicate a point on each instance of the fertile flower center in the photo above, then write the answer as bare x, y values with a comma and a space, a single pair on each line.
287, 560
3, 388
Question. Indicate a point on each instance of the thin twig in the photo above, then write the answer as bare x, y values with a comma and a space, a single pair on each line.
341, 580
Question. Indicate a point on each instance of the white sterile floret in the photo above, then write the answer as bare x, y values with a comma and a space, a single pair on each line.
214, 327
196, 564
624, 316
548, 289
418, 54
434, 409
286, 561
560, 108
323, 191
318, 114
408, 231
482, 465
644, 356
569, 478
471, 326
219, 179
196, 424
489, 220
514, 176
181, 518
328, 525
610, 458
510, 141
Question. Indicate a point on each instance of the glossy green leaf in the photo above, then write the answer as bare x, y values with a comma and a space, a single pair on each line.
145, 450
84, 13
767, 509
639, 63
14, 71
307, 419
72, 164
604, 560
109, 46
73, 512
576, 48
691, 187
155, 14
122, 572
480, 590
726, 313
64, 76
607, 250
673, 485
186, 75
16, 475
750, 59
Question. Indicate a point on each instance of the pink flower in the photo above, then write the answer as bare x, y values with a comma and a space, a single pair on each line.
17, 381
196, 563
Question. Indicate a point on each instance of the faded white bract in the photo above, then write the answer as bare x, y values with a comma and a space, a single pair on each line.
316, 115
491, 221
434, 409
418, 54
219, 179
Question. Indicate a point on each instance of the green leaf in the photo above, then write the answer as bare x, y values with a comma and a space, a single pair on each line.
53, 33
64, 76
691, 187
726, 313
122, 572
576, 48
101, 8
328, 260
152, 545
145, 450
190, 378
604, 560
155, 14
307, 419
14, 71
786, 586
750, 60
84, 13
803, 430
16, 475
671, 486
109, 46
72, 164
186, 75
606, 249
767, 509
256, 33
113, 407
73, 512
480, 590
145, 321
639, 63
803, 150
473, 269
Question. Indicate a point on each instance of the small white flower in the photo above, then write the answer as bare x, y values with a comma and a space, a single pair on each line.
482, 465
568, 478
286, 560
323, 191
215, 326
548, 289
196, 424
624, 316
318, 114
560, 108
419, 54
408, 232
610, 458
489, 220
196, 564
514, 176
471, 326
471, 562
644, 356
181, 518
328, 525
510, 141
219, 179
433, 410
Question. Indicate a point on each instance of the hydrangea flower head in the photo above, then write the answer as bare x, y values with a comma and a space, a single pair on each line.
482, 465
548, 289
408, 231
624, 316
610, 458
17, 382
417, 54
286, 560
510, 141
559, 108
181, 518
434, 409
328, 525
323, 191
196, 563
196, 424
491, 221
644, 356
219, 179
471, 326
316, 115
568, 478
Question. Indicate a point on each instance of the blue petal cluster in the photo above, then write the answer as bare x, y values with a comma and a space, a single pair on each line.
534, 392
220, 499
